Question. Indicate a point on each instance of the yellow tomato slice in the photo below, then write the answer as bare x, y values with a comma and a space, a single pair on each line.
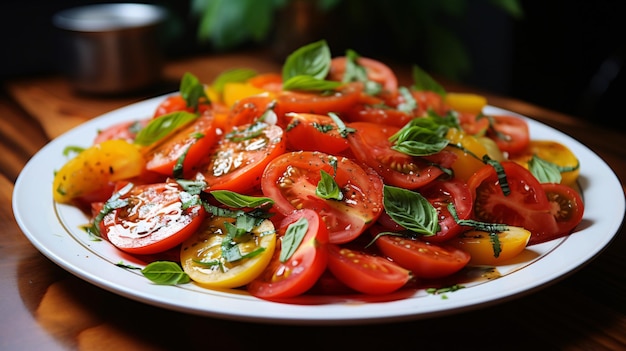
94, 167
202, 259
469, 155
235, 91
463, 102
480, 246
555, 152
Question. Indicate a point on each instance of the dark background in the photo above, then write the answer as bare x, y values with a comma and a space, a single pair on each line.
564, 55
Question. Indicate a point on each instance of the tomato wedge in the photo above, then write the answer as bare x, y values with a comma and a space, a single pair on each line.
237, 162
526, 206
480, 246
423, 259
152, 221
510, 133
174, 103
124, 130
371, 146
441, 193
310, 132
567, 208
191, 142
292, 178
299, 272
366, 273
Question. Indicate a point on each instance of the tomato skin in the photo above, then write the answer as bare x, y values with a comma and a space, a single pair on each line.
440, 193
192, 141
153, 221
304, 132
237, 161
526, 206
376, 71
248, 110
567, 208
515, 131
291, 179
371, 146
174, 103
365, 273
302, 270
422, 258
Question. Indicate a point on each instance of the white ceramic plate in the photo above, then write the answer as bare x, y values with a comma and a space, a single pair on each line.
54, 230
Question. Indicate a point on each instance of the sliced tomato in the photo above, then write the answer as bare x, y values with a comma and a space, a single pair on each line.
423, 259
174, 103
366, 273
190, 143
378, 109
441, 193
473, 123
510, 133
480, 245
428, 100
152, 221
370, 145
237, 161
292, 178
311, 132
526, 205
567, 208
554, 152
249, 109
272, 82
339, 102
202, 256
376, 71
124, 130
300, 271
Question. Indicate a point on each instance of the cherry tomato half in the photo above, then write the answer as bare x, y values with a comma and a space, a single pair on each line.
567, 208
423, 259
510, 133
152, 221
366, 273
303, 268
292, 178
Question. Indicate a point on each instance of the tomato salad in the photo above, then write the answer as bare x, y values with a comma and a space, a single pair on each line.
275, 183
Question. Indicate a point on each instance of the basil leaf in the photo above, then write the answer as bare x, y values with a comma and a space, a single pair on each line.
309, 83
165, 273
293, 237
544, 171
327, 188
114, 202
343, 129
422, 81
418, 141
163, 126
75, 149
310, 60
410, 210
235, 200
192, 91
232, 76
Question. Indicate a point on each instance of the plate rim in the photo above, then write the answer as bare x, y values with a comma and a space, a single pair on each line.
260, 311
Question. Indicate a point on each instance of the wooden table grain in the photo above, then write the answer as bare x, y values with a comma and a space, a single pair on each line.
43, 307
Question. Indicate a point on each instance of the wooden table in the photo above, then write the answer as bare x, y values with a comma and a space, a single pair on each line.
42, 307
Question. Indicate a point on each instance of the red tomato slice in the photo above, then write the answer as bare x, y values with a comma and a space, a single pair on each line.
526, 206
175, 103
249, 109
153, 221
301, 271
237, 162
376, 71
338, 102
371, 146
423, 259
473, 124
291, 180
267, 81
123, 130
191, 142
567, 208
366, 273
440, 194
428, 100
510, 134
311, 132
